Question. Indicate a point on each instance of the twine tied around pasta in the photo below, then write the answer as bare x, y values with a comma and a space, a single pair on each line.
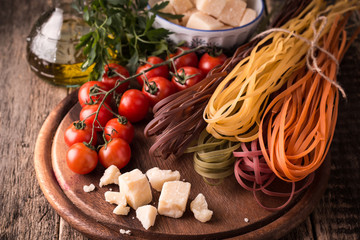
311, 61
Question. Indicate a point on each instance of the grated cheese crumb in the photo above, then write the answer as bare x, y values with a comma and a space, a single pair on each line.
123, 231
111, 176
89, 188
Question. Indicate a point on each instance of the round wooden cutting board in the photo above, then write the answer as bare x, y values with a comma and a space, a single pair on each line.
92, 215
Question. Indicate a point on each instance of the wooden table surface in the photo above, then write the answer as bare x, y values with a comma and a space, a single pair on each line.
26, 100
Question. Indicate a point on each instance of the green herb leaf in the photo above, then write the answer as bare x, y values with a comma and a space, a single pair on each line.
158, 6
142, 4
83, 40
122, 31
156, 34
160, 48
169, 15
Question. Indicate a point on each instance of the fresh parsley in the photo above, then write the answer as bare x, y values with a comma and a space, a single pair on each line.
121, 30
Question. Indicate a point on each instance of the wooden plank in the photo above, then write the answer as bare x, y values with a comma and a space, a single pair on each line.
66, 232
303, 231
25, 102
337, 216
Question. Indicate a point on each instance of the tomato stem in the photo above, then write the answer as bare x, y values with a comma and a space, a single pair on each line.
214, 51
182, 77
94, 91
79, 125
89, 145
122, 120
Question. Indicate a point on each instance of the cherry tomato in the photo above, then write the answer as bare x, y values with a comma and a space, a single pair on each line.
79, 132
158, 89
208, 62
117, 152
189, 59
87, 114
119, 128
84, 93
81, 159
162, 71
110, 78
134, 105
187, 77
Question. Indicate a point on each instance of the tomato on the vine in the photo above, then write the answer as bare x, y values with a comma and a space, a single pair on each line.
208, 62
162, 71
79, 131
190, 59
119, 128
117, 152
110, 77
134, 105
87, 114
187, 77
89, 88
81, 159
158, 89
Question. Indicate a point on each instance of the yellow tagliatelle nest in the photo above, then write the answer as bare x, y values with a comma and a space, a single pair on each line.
236, 107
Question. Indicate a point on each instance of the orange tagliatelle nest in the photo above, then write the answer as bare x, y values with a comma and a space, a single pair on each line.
298, 125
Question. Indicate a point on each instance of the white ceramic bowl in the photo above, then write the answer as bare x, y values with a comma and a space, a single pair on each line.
226, 38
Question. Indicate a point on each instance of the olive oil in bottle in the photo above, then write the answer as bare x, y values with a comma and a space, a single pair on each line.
51, 46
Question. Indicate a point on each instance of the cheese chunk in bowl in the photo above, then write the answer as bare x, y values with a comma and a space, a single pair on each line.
223, 23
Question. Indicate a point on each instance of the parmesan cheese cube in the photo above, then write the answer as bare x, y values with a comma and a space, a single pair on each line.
111, 175
200, 209
202, 21
89, 188
233, 12
136, 188
117, 198
158, 177
173, 198
211, 7
147, 215
249, 16
181, 6
121, 210
185, 18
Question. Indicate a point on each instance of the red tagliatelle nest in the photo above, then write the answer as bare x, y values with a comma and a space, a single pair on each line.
253, 174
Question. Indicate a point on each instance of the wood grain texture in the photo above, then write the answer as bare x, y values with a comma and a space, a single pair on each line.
26, 101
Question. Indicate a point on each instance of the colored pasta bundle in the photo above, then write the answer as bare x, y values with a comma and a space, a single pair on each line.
298, 125
236, 107
253, 174
213, 158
